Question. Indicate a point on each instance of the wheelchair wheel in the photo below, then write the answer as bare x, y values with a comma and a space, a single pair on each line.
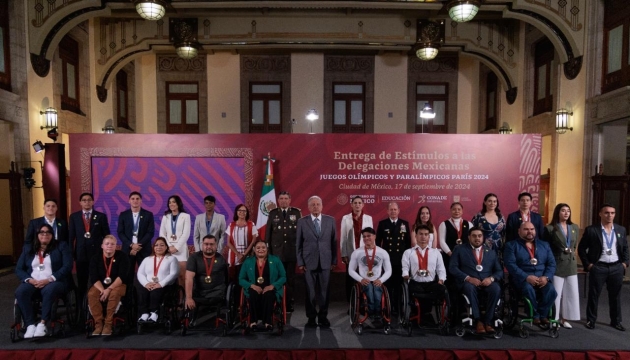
523, 332
360, 329
498, 333
18, 323
354, 307
386, 305
139, 328
553, 332
387, 329
72, 309
459, 331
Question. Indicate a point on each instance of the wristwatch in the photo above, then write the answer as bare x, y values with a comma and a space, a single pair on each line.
492, 278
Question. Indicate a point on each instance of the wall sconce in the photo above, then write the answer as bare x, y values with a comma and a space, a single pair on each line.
109, 127
562, 121
38, 146
151, 9
184, 37
427, 112
312, 116
462, 10
53, 134
51, 118
429, 38
505, 129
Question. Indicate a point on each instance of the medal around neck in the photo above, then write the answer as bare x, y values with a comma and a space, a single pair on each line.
260, 280
608, 251
370, 273
423, 273
533, 261
208, 279
155, 279
107, 280
41, 267
458, 241
174, 237
479, 268
87, 235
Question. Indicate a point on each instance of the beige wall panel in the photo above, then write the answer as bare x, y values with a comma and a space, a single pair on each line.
146, 97
390, 93
223, 93
467, 95
307, 90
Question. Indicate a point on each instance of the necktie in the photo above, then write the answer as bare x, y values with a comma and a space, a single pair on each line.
318, 229
284, 213
87, 216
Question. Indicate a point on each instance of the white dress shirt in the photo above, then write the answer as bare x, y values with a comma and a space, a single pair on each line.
410, 264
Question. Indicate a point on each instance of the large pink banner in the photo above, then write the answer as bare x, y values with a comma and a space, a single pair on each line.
410, 169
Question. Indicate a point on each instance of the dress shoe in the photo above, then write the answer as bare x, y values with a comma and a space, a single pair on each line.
565, 324
311, 323
536, 322
323, 322
489, 329
617, 326
590, 325
480, 329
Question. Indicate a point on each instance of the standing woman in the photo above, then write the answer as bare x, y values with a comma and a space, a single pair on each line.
242, 234
424, 218
562, 236
491, 222
175, 228
155, 273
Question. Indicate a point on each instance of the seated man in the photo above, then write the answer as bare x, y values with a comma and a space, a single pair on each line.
531, 265
206, 275
476, 269
108, 272
374, 269
424, 268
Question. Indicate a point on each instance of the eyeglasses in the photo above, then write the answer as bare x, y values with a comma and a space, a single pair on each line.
241, 210
45, 233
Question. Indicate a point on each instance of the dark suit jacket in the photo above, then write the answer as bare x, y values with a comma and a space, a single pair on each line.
60, 258
280, 233
566, 264
35, 224
394, 239
591, 246
514, 222
312, 250
463, 263
146, 231
517, 261
84, 248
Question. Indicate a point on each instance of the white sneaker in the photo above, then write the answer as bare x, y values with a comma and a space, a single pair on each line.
153, 317
30, 331
40, 330
144, 317
566, 325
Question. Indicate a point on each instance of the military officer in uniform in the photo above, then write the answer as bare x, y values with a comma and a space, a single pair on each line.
280, 235
393, 236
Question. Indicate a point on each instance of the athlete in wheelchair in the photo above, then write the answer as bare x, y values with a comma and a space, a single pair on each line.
531, 266
478, 273
369, 300
44, 269
423, 286
207, 292
262, 278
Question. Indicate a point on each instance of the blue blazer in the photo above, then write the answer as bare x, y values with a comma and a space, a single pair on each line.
277, 274
146, 231
60, 258
463, 263
84, 248
35, 224
514, 222
517, 261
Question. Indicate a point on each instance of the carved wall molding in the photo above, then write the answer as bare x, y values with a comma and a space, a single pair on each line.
175, 63
349, 64
273, 64
439, 64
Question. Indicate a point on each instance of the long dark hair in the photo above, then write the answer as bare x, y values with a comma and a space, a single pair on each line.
162, 239
178, 201
36, 244
418, 221
556, 214
483, 207
236, 212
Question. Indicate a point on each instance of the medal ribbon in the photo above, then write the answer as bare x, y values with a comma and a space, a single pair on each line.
567, 234
86, 222
524, 216
209, 268
156, 266
173, 224
609, 239
136, 224
532, 251
478, 257
208, 224
41, 257
458, 229
423, 261
108, 269
370, 262
260, 268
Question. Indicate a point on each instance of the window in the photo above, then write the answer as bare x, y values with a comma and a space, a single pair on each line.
69, 55
436, 95
265, 107
543, 77
182, 108
348, 108
616, 64
122, 115
491, 101
5, 63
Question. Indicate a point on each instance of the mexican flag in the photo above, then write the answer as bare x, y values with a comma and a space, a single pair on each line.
267, 197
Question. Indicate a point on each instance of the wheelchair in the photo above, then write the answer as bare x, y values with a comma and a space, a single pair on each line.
409, 311
517, 306
57, 324
217, 309
279, 317
468, 323
359, 310
170, 311
122, 315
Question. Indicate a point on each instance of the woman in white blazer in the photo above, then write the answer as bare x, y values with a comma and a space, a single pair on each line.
175, 228
348, 243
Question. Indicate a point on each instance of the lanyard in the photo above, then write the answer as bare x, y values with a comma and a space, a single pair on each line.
86, 222
532, 251
567, 234
261, 268
423, 261
478, 257
209, 268
609, 239
41, 257
108, 269
525, 217
156, 265
370, 262
136, 224
173, 223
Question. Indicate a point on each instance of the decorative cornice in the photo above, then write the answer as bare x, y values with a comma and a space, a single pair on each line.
175, 63
439, 64
353, 64
274, 64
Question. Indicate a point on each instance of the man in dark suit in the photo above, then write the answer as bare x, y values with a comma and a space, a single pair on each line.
604, 254
280, 234
136, 229
316, 255
476, 269
88, 227
60, 226
521, 215
393, 235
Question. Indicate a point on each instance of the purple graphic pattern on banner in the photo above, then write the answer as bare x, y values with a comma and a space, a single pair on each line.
158, 178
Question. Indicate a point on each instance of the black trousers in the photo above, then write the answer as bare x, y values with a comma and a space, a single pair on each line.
83, 275
611, 275
289, 267
261, 306
148, 301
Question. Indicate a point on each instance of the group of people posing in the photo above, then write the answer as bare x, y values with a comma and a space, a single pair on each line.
465, 257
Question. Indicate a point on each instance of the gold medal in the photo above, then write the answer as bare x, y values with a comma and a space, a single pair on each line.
260, 280
370, 273
458, 241
208, 279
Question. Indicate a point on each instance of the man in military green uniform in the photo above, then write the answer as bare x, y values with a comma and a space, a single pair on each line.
394, 236
280, 236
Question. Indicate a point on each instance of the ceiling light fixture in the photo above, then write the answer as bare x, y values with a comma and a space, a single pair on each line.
462, 10
151, 9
